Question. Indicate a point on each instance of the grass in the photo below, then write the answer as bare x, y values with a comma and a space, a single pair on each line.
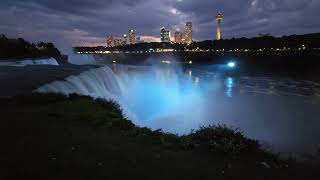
51, 136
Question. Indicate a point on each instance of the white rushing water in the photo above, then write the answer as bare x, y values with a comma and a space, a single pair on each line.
47, 61
281, 113
149, 99
97, 83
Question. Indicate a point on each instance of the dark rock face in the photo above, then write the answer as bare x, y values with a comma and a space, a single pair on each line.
63, 59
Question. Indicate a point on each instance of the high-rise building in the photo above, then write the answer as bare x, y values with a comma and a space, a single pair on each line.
117, 42
125, 39
164, 35
188, 35
219, 18
178, 37
132, 36
110, 41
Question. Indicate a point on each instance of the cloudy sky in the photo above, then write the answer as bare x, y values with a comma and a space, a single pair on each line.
88, 22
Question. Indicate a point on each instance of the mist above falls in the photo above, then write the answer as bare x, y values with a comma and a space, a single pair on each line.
162, 97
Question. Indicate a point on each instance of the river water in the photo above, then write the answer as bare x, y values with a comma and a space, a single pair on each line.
284, 114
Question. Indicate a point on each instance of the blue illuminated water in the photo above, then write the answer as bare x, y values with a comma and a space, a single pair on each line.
282, 113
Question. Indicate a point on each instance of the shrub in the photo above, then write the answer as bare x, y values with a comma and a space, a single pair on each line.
220, 139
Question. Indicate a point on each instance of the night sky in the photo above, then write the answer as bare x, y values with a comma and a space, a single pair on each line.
87, 22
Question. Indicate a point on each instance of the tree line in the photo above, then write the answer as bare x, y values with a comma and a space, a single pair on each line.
20, 48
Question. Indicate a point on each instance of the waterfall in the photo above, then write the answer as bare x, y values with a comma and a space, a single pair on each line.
167, 98
47, 61
152, 97
99, 83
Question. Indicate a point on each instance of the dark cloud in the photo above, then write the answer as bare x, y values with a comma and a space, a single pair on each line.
74, 22
76, 7
250, 17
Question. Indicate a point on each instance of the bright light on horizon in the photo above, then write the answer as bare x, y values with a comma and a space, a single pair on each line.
231, 64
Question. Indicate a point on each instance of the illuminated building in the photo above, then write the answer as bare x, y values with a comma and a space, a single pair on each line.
164, 35
125, 39
132, 36
117, 42
219, 18
110, 41
188, 35
177, 37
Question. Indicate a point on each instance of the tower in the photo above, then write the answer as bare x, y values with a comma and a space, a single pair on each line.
219, 18
188, 38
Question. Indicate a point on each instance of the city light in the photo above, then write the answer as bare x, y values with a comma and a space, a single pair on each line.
166, 62
231, 64
183, 38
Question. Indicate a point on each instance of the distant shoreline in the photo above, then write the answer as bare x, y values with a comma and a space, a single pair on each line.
300, 64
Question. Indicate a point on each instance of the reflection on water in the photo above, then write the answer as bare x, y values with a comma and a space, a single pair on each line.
271, 86
229, 86
283, 114
258, 85
197, 81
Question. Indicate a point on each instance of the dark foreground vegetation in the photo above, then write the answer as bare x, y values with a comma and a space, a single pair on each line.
57, 137
20, 48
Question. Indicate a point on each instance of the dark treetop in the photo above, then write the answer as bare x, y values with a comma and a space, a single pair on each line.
20, 48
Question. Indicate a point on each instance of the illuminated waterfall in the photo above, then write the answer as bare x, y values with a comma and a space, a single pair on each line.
99, 82
48, 61
165, 97
150, 97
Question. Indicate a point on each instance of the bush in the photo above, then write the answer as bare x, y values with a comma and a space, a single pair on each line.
220, 139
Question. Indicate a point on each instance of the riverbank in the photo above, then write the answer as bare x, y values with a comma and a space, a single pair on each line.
56, 137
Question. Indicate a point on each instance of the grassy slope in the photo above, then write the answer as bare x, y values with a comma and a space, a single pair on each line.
54, 137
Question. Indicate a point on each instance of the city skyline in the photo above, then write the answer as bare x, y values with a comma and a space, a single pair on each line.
165, 36
83, 22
